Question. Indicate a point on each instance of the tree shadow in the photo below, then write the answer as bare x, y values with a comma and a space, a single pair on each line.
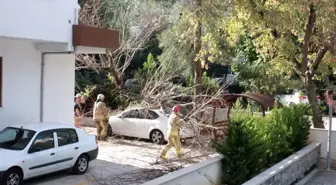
99, 172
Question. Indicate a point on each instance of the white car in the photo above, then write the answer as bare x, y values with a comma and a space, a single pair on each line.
292, 97
144, 123
35, 149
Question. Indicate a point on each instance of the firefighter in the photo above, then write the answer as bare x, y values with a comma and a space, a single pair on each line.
78, 116
173, 133
100, 117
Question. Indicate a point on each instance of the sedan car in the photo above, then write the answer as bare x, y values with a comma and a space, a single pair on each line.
35, 149
144, 123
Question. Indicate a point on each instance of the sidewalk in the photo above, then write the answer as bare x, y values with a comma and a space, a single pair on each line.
321, 177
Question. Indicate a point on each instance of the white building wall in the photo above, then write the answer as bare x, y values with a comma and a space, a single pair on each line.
41, 20
59, 83
21, 82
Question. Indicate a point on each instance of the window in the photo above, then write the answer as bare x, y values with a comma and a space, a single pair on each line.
148, 114
1, 81
140, 114
74, 136
43, 141
15, 138
66, 137
130, 114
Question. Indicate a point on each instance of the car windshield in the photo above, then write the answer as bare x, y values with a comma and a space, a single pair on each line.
15, 138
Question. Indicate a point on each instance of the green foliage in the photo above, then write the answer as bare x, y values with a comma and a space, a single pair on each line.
114, 97
148, 69
294, 35
297, 124
254, 143
240, 148
255, 73
87, 77
177, 42
209, 85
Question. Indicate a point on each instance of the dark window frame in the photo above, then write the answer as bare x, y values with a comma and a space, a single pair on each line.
70, 134
128, 113
149, 114
43, 132
76, 135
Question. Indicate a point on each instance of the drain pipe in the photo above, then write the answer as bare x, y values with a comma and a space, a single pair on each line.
74, 49
42, 79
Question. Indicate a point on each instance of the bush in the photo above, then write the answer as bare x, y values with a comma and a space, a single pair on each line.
296, 122
208, 84
147, 71
240, 148
254, 143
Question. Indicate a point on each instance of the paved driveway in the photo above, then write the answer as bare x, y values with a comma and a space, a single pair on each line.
120, 162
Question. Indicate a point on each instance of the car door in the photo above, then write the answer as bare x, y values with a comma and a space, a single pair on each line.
41, 155
138, 123
67, 148
127, 123
118, 124
148, 123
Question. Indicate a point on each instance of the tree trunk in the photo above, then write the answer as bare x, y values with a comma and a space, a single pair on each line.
316, 109
197, 48
118, 80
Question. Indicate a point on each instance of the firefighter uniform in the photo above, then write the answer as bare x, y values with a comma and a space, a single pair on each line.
173, 133
100, 118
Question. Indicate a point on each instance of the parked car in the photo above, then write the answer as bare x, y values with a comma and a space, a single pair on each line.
144, 123
35, 149
294, 97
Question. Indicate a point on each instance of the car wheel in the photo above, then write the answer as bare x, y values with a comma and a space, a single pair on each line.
13, 176
109, 131
157, 137
81, 165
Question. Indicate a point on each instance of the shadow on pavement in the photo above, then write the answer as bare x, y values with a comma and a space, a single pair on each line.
99, 171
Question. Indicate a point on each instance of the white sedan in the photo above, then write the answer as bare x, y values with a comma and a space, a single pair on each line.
35, 149
144, 123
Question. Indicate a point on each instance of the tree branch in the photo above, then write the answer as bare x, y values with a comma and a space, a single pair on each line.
137, 27
308, 34
319, 58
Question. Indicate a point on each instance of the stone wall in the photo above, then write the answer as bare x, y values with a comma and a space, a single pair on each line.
321, 135
290, 169
207, 172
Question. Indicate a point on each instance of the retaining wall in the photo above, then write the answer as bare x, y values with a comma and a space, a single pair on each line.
290, 169
207, 172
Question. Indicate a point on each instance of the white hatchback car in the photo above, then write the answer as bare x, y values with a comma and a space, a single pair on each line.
36, 149
144, 123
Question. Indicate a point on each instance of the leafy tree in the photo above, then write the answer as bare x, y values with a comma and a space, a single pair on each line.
147, 70
297, 35
194, 39
137, 22
256, 74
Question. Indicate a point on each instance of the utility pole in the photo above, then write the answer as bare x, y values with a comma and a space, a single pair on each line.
330, 98
329, 135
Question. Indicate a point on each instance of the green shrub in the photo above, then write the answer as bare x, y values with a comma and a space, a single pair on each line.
254, 143
243, 150
296, 122
276, 138
208, 84
148, 69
